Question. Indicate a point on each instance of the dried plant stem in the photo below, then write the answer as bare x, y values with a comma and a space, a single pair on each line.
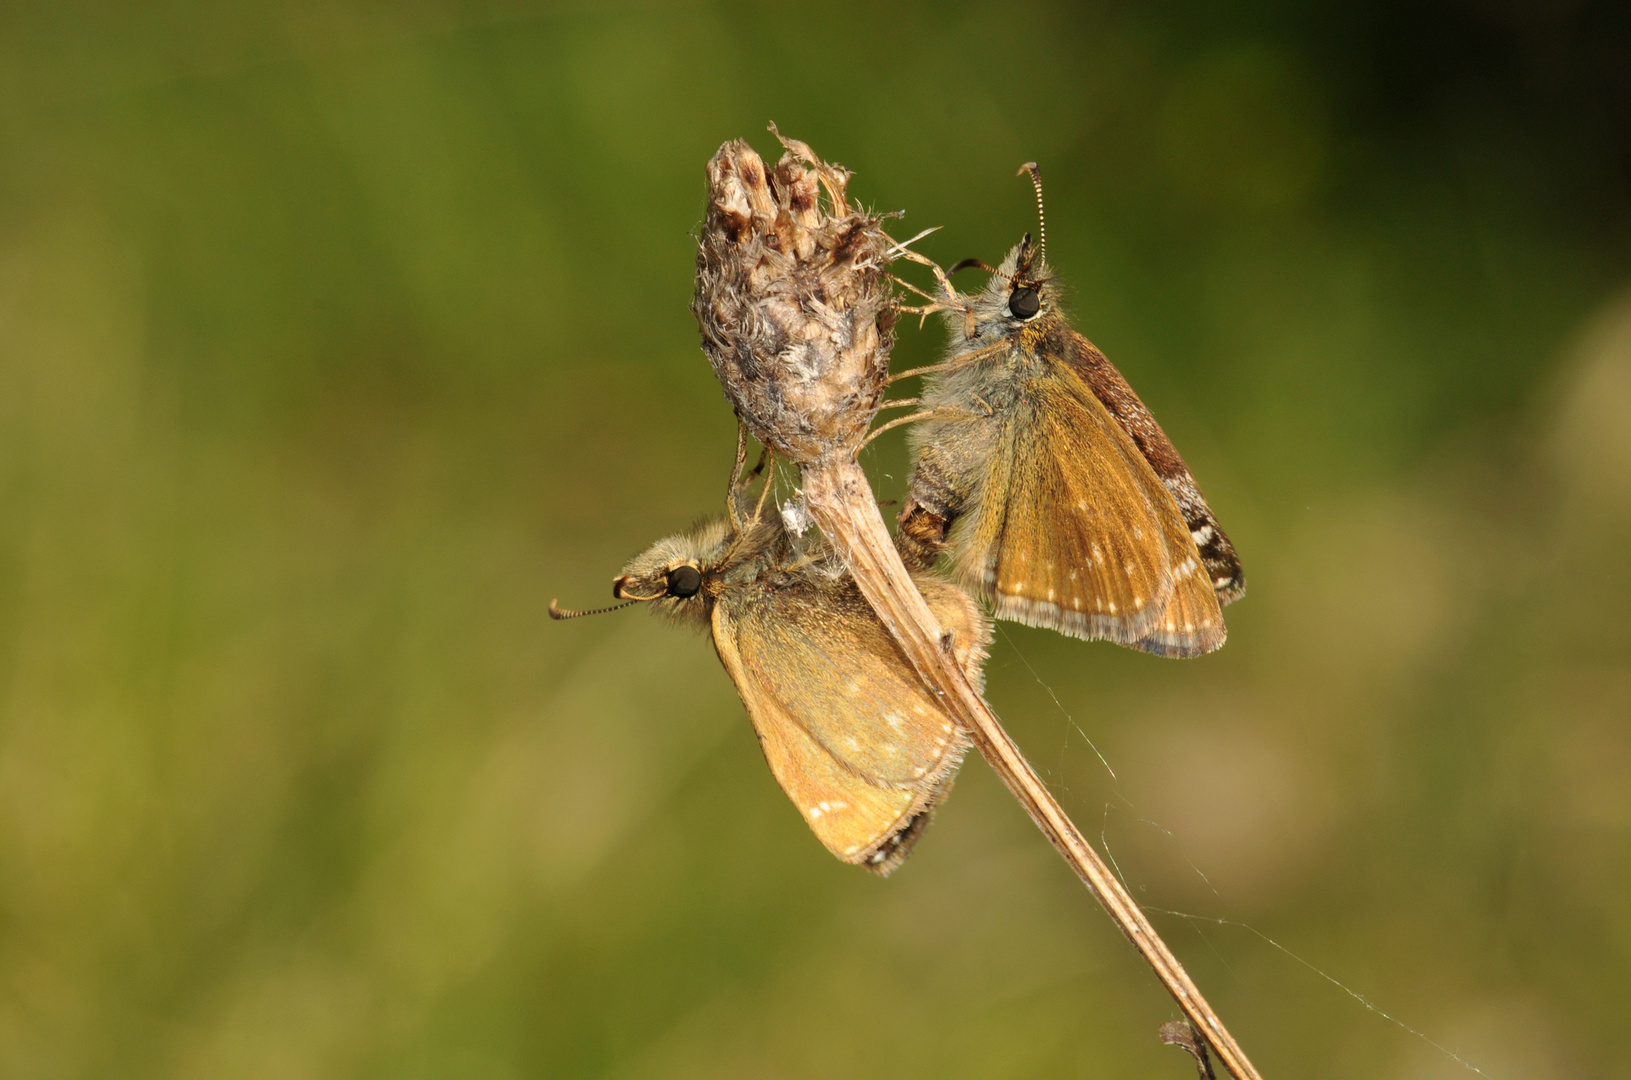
842, 504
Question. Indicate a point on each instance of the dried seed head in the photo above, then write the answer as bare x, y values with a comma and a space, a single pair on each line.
795, 312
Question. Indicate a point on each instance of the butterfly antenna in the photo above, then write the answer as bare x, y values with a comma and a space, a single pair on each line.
557, 612
981, 264
1036, 181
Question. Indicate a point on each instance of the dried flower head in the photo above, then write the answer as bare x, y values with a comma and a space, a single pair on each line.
795, 311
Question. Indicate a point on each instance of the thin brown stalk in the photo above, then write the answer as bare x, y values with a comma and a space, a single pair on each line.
842, 503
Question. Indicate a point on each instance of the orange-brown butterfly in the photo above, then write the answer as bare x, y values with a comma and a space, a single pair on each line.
854, 739
1056, 495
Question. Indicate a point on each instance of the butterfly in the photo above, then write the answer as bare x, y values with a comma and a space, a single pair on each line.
1049, 486
864, 751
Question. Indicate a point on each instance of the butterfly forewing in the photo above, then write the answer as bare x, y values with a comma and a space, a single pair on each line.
1191, 622
1223, 569
850, 734
1077, 534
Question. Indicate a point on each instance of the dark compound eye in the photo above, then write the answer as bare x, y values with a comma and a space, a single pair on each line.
1024, 302
684, 581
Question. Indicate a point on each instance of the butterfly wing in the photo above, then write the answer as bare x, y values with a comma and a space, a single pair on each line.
1075, 532
1191, 621
1217, 553
854, 739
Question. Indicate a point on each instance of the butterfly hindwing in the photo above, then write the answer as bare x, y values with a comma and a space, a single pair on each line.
851, 735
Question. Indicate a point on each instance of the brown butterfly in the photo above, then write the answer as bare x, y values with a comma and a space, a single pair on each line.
862, 749
1054, 492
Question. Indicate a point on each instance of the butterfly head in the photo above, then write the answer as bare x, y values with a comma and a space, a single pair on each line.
1020, 294
679, 575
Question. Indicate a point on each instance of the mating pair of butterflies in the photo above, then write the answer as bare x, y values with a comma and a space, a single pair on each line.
1042, 485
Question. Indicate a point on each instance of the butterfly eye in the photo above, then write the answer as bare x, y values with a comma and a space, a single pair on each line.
1024, 302
684, 581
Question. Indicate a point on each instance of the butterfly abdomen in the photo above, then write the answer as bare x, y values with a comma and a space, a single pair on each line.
952, 451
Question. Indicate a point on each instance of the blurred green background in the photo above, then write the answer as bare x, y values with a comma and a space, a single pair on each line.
336, 339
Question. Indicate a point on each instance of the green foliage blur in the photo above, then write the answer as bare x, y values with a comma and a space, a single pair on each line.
337, 339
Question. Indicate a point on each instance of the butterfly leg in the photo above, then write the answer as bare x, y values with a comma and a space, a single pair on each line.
769, 456
939, 276
934, 304
994, 349
945, 410
740, 479
736, 476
